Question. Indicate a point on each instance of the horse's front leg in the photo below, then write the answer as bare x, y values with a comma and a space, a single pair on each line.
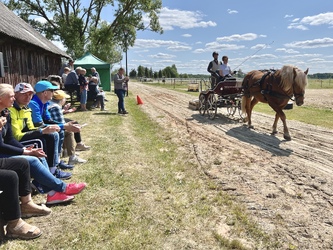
286, 134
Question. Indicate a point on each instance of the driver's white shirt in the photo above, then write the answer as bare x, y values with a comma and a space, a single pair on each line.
225, 69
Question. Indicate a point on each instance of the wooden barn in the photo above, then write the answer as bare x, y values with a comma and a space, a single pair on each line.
25, 55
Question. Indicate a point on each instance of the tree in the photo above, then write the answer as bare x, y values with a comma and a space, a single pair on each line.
146, 72
79, 26
141, 71
132, 73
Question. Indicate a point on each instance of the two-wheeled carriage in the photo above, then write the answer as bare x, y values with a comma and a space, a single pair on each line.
226, 94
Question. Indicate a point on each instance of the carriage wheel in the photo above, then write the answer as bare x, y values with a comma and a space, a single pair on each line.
211, 106
202, 104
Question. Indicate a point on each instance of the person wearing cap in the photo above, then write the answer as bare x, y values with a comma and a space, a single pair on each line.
56, 111
24, 129
41, 115
57, 190
213, 66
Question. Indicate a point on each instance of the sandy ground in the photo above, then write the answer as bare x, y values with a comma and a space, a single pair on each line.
285, 185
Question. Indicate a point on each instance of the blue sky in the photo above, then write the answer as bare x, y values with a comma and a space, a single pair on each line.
254, 34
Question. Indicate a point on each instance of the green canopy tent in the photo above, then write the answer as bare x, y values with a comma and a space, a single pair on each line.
104, 69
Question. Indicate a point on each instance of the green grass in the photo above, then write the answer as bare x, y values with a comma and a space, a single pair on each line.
320, 84
143, 193
310, 115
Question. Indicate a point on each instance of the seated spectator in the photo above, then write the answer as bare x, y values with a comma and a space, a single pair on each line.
64, 75
58, 191
56, 111
24, 129
16, 201
72, 82
41, 115
96, 94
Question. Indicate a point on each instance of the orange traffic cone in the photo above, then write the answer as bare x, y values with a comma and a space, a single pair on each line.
138, 99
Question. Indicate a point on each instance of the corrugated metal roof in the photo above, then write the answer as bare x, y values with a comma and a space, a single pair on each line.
14, 26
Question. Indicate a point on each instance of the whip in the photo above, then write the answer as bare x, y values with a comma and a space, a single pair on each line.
254, 54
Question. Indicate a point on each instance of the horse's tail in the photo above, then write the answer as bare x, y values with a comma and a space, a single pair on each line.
244, 100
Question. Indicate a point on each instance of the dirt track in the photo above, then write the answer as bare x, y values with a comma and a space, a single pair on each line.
286, 186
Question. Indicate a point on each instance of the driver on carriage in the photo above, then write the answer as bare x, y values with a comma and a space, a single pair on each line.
213, 66
224, 69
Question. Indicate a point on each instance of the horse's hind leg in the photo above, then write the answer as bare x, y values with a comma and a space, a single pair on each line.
250, 107
275, 124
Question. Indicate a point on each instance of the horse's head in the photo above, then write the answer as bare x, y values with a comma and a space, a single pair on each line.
300, 82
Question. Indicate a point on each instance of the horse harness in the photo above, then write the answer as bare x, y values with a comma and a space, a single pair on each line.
269, 87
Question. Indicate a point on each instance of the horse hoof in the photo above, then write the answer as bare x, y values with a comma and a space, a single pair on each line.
287, 137
251, 127
274, 132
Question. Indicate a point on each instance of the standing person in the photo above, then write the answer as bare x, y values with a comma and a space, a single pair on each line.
69, 65
120, 86
224, 69
83, 90
213, 66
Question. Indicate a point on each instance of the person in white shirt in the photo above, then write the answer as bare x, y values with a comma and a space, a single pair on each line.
225, 68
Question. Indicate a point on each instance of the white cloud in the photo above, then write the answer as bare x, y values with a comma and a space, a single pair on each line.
230, 11
310, 44
171, 18
179, 48
320, 19
288, 51
263, 56
215, 46
162, 56
323, 18
237, 37
260, 46
297, 26
151, 43
288, 16
187, 35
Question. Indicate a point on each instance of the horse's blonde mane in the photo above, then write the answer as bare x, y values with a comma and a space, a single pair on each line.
287, 77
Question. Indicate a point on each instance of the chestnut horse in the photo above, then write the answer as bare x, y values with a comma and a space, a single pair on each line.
275, 87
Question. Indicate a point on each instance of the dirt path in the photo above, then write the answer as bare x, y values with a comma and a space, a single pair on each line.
286, 186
